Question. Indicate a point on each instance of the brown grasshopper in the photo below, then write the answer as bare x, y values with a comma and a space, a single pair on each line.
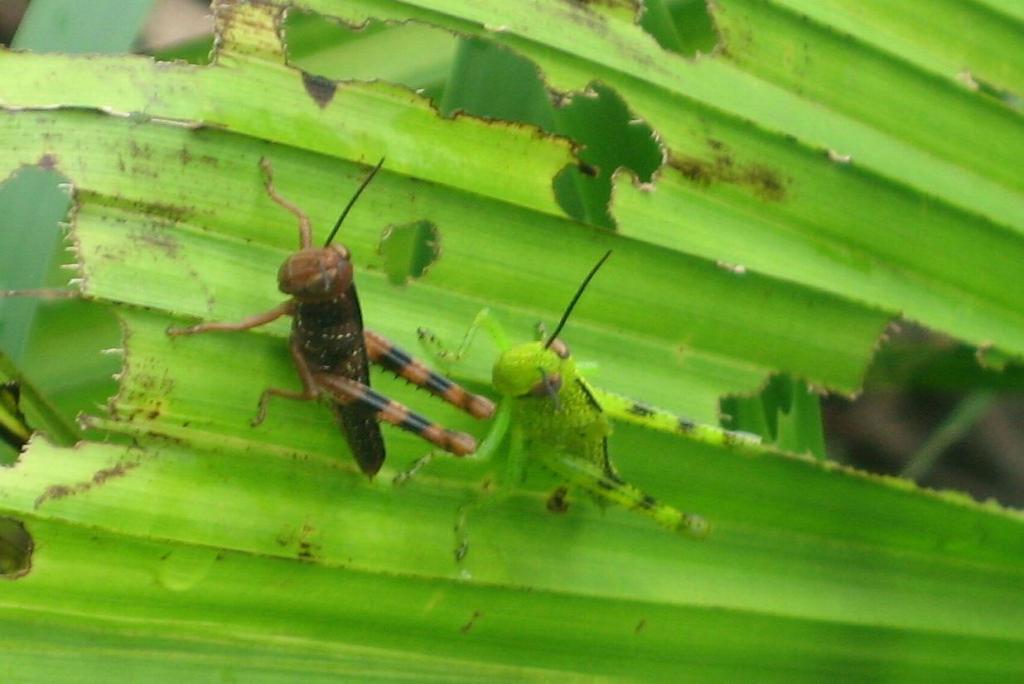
332, 350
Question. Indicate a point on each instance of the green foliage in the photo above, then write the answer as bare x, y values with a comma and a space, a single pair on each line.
800, 207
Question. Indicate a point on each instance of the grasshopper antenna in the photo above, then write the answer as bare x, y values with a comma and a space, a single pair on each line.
576, 298
352, 201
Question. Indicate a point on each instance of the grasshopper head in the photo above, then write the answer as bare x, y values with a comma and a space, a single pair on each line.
538, 369
532, 370
316, 274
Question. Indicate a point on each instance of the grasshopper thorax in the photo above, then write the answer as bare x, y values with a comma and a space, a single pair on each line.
532, 370
316, 274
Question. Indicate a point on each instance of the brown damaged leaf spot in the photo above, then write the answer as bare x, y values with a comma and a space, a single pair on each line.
155, 237
629, 5
171, 212
153, 436
308, 551
764, 181
144, 151
16, 547
303, 539
100, 477
319, 88
557, 502
629, 10
248, 28
150, 384
186, 157
143, 385
472, 621
47, 161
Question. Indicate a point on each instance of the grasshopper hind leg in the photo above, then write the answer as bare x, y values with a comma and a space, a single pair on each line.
389, 356
608, 488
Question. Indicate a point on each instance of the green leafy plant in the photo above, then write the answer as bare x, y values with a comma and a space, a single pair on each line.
796, 211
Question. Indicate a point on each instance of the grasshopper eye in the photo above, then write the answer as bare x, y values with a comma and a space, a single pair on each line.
548, 386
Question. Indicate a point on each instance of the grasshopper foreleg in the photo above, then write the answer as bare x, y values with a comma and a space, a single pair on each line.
305, 229
284, 309
483, 320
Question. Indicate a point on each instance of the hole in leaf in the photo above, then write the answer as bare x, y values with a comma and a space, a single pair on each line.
786, 412
493, 82
34, 254
490, 81
32, 249
930, 410
480, 78
179, 31
410, 54
612, 139
15, 549
409, 250
681, 26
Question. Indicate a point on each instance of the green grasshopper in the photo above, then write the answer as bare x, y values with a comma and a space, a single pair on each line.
555, 417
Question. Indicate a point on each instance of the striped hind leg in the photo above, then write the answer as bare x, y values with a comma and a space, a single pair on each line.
639, 413
486, 449
393, 359
609, 488
346, 391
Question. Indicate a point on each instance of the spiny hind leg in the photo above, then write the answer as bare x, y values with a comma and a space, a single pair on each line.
484, 452
346, 391
435, 347
639, 413
389, 356
610, 488
305, 229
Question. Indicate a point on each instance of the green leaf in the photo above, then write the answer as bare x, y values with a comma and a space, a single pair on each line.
412, 55
765, 175
204, 545
32, 254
